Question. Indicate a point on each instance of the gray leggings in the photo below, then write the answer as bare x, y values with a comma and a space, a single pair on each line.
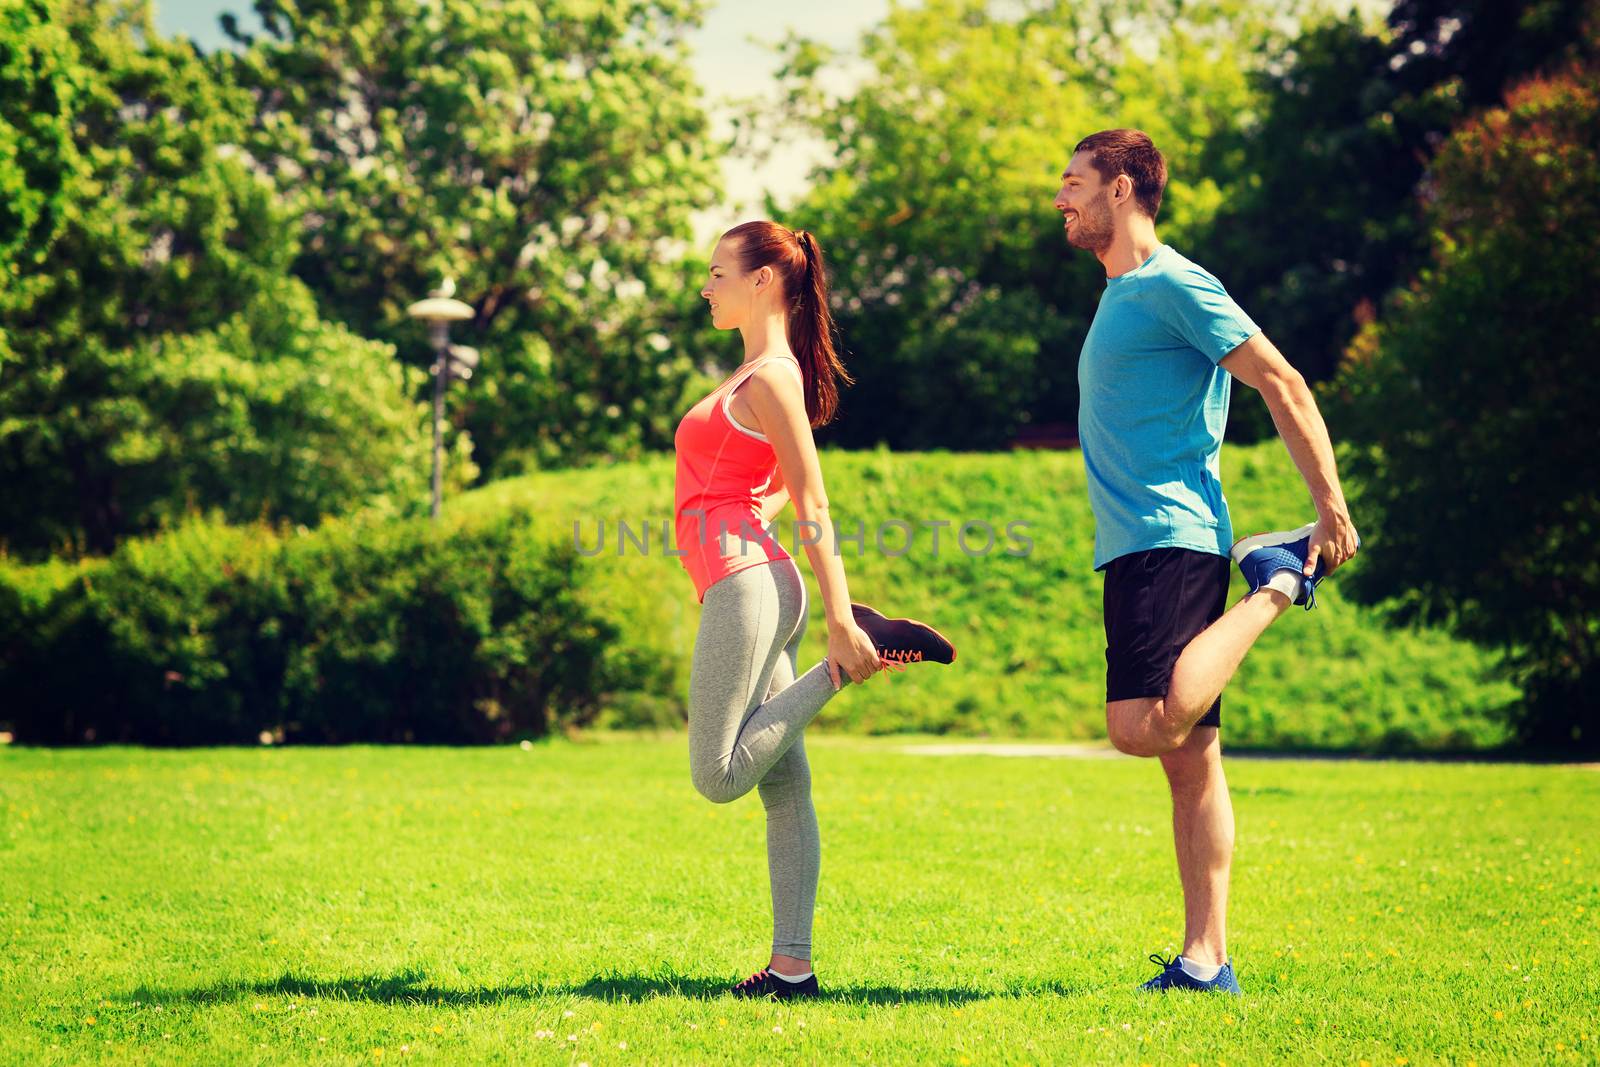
747, 712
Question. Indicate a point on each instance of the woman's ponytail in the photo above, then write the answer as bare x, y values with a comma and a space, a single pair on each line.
797, 258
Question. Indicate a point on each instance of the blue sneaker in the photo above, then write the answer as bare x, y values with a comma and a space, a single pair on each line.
1172, 976
1262, 556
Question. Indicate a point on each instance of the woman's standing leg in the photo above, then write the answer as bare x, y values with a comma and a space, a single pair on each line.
794, 850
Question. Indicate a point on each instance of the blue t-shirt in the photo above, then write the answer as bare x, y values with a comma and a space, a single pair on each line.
1153, 405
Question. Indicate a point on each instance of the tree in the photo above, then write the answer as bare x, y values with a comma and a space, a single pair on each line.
959, 301
1324, 221
159, 231
137, 221
1471, 406
546, 154
37, 154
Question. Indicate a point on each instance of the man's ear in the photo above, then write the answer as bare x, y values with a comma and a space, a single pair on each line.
1122, 189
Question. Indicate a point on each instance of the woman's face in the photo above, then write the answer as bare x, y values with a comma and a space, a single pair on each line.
732, 293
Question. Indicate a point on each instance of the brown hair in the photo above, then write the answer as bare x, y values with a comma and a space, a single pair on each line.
797, 260
1129, 152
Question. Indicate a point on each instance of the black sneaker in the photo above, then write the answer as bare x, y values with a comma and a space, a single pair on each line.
903, 640
764, 985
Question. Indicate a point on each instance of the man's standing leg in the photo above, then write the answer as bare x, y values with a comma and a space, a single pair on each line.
1202, 831
1171, 647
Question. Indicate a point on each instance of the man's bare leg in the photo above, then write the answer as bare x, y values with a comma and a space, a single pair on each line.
1154, 726
1202, 831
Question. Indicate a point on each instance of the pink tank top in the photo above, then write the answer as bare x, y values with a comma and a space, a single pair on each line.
724, 469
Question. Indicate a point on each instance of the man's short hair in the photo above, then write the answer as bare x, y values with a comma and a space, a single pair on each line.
1129, 152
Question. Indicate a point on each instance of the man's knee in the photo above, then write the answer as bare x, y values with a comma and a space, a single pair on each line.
1134, 727
1125, 739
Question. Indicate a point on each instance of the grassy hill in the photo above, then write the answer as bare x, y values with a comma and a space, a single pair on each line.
1028, 628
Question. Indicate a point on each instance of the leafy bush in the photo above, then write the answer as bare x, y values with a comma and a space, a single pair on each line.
279, 414
1032, 646
216, 634
1473, 405
393, 631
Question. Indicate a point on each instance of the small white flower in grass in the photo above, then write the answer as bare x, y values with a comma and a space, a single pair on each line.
622, 1044
572, 1037
568, 1014
527, 746
694, 1026
777, 1029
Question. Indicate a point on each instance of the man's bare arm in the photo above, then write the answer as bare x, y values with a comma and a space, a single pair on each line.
1258, 364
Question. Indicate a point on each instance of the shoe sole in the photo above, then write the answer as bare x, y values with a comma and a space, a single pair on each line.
917, 622
1246, 545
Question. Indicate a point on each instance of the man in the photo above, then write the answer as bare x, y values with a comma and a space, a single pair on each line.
1153, 380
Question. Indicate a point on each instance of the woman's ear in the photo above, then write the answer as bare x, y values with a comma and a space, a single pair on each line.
763, 277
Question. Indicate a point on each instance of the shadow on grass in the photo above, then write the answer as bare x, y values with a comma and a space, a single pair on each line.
413, 987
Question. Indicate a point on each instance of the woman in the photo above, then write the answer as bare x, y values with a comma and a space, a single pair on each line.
743, 452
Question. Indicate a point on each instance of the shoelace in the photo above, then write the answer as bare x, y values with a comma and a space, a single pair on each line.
754, 980
901, 655
1166, 965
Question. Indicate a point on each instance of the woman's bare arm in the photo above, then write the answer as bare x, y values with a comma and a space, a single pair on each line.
777, 399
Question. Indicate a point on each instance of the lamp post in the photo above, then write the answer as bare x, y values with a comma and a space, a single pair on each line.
439, 310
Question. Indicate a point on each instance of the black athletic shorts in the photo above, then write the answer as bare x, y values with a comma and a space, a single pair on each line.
1156, 602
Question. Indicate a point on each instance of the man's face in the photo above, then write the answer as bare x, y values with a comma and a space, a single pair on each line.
1084, 205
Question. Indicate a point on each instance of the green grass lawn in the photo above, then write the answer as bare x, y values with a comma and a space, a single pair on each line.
579, 903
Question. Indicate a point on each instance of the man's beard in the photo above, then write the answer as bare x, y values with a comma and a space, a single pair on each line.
1094, 230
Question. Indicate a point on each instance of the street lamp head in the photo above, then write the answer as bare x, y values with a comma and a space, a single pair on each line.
440, 309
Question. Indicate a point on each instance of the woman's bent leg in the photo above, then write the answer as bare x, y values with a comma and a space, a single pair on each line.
747, 621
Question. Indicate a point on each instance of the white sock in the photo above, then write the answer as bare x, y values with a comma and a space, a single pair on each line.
790, 977
1199, 971
1286, 582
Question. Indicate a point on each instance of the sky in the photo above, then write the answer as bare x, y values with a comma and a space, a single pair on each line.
725, 57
